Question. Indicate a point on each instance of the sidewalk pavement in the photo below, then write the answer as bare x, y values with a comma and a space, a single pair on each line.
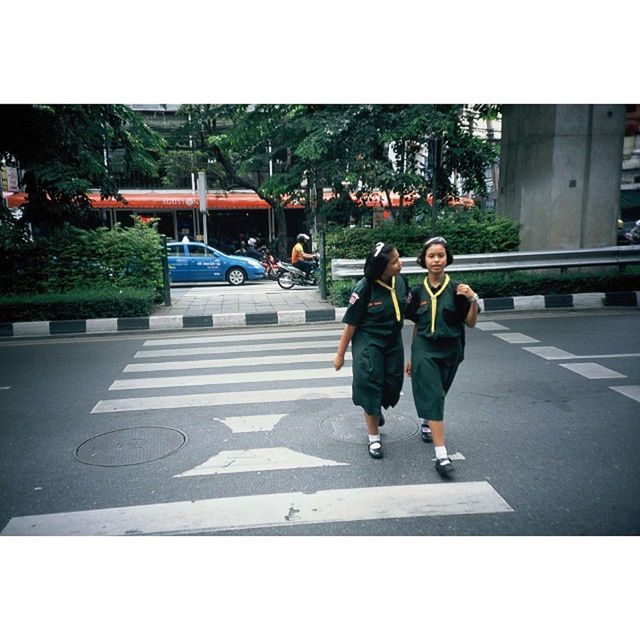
265, 303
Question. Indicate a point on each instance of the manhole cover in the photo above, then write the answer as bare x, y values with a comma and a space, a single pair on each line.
349, 427
135, 445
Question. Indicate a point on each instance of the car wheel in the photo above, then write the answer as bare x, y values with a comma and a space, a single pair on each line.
236, 276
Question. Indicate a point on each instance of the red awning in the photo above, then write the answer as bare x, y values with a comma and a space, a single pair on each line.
159, 200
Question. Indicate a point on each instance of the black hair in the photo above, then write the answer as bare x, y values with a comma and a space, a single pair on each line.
421, 260
377, 260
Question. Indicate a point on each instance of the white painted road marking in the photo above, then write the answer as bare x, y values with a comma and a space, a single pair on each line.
219, 399
249, 424
631, 391
592, 370
4, 388
241, 348
270, 510
515, 338
231, 378
267, 459
293, 358
491, 326
242, 337
550, 353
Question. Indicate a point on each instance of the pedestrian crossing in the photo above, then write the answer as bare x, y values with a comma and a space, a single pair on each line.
253, 396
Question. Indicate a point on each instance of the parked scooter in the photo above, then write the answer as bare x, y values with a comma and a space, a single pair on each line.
290, 275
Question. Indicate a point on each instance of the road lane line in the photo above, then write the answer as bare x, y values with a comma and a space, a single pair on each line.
515, 338
631, 391
592, 370
250, 460
231, 378
220, 399
241, 348
177, 365
245, 337
270, 510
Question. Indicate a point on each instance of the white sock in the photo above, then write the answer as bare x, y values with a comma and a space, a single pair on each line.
441, 452
374, 438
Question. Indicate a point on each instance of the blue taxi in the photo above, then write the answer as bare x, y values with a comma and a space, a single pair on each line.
197, 262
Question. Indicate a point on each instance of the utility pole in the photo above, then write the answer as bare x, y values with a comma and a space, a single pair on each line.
434, 149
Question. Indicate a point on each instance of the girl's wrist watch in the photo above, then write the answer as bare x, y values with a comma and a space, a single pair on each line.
476, 299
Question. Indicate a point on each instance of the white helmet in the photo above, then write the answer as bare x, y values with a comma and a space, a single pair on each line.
303, 237
252, 242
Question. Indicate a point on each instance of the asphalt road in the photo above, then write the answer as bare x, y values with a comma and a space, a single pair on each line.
543, 420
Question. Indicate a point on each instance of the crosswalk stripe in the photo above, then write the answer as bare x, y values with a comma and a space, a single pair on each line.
266, 459
270, 510
244, 337
230, 378
550, 353
294, 358
241, 348
491, 326
220, 399
592, 370
515, 338
631, 391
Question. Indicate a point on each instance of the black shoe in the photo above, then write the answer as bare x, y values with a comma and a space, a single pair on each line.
425, 433
375, 449
444, 468
381, 421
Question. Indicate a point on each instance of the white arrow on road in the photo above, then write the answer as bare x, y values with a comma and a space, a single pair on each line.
248, 424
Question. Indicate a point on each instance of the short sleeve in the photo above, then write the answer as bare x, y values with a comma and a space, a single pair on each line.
357, 306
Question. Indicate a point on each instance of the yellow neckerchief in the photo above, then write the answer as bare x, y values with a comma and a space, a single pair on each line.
392, 288
434, 298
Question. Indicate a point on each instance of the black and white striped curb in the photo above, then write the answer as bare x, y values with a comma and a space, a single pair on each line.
331, 314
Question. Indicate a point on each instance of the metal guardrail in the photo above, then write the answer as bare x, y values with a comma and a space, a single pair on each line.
602, 256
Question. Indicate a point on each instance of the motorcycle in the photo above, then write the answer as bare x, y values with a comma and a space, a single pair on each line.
290, 275
270, 263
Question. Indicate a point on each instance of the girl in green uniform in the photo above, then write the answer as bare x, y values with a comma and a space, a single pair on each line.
440, 308
374, 322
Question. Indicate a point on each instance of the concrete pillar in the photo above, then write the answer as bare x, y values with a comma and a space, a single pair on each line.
560, 171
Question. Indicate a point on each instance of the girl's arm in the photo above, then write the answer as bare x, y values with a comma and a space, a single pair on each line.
407, 367
345, 339
470, 294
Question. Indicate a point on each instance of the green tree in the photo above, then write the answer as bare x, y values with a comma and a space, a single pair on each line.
348, 148
65, 150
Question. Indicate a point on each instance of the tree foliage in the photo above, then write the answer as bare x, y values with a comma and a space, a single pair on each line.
65, 151
353, 149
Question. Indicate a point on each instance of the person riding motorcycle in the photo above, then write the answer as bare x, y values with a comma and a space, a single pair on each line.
299, 258
252, 250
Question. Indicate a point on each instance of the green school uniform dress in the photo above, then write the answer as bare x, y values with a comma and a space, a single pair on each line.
438, 346
378, 353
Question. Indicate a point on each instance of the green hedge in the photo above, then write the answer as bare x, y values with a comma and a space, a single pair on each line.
498, 285
466, 232
471, 231
78, 259
78, 304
